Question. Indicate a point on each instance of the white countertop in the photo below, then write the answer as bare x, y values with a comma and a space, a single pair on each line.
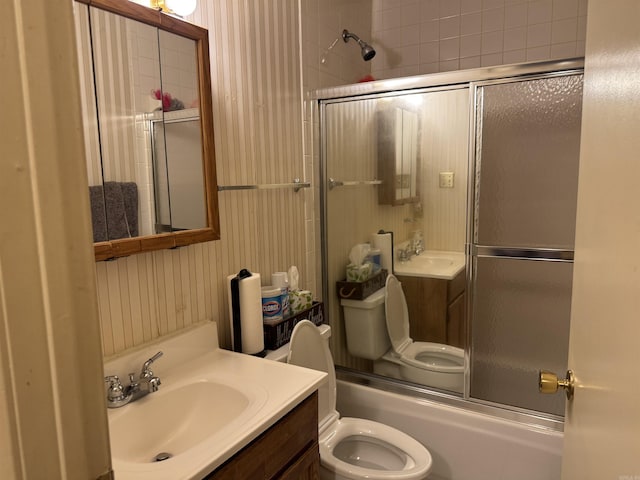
432, 264
276, 388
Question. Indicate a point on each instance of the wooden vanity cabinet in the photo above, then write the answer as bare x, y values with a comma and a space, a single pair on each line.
436, 308
287, 451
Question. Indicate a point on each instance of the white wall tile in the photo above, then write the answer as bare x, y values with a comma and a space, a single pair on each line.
540, 11
449, 49
538, 53
493, 19
563, 31
470, 62
515, 39
430, 31
429, 10
470, 46
429, 52
491, 4
514, 56
470, 6
471, 23
490, 60
516, 26
492, 42
515, 15
450, 27
449, 7
563, 50
538, 35
411, 35
565, 9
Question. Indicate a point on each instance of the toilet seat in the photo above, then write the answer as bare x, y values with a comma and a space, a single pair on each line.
442, 358
410, 461
413, 460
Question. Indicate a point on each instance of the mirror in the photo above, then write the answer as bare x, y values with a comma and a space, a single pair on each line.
398, 155
146, 88
407, 136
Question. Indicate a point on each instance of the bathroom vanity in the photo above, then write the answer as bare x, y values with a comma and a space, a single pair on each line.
287, 451
436, 308
216, 415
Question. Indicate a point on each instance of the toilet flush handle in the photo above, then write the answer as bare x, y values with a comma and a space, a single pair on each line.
548, 382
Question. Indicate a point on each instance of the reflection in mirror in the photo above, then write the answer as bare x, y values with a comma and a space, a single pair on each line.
148, 129
176, 145
398, 144
127, 68
429, 231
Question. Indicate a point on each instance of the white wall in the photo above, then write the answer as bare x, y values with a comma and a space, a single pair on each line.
426, 36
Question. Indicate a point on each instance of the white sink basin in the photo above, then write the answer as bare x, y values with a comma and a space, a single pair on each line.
432, 264
170, 422
211, 403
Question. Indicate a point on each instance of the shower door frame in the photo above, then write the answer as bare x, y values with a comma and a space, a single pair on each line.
470, 79
473, 250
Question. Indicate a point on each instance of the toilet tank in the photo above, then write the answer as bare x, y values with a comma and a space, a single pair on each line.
365, 326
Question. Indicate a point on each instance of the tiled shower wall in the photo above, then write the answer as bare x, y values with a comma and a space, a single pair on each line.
415, 37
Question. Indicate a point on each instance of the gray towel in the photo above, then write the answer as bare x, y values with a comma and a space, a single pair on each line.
117, 226
114, 210
130, 197
98, 218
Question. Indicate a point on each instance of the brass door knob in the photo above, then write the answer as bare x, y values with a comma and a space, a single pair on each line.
548, 383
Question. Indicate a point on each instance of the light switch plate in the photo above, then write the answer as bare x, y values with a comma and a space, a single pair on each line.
446, 179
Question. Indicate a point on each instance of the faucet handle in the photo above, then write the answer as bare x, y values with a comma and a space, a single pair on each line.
146, 371
115, 391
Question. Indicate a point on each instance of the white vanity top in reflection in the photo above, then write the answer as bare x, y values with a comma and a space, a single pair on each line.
432, 264
211, 403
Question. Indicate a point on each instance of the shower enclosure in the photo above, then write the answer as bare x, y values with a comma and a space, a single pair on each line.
482, 164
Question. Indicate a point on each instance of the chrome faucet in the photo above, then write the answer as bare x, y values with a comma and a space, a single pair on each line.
404, 254
119, 395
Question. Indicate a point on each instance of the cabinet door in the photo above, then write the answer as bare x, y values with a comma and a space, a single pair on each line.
306, 468
455, 322
427, 305
277, 450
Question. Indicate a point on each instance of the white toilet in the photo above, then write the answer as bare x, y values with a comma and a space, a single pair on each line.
353, 448
377, 328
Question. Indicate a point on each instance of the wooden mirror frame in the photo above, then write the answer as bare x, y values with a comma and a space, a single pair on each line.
128, 246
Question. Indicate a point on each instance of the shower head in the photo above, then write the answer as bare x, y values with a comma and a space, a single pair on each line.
368, 51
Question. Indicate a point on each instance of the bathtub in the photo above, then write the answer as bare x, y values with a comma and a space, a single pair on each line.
464, 445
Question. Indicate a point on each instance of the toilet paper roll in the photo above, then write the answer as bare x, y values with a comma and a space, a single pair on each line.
251, 337
384, 242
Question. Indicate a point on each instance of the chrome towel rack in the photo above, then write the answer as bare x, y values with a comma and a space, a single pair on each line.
297, 185
351, 183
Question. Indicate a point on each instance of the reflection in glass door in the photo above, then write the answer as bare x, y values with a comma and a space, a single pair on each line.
527, 152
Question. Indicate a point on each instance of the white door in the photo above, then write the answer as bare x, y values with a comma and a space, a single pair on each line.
602, 428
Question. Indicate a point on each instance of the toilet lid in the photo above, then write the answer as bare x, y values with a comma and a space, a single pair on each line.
396, 314
308, 349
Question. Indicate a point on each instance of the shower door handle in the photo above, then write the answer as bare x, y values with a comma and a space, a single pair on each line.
548, 382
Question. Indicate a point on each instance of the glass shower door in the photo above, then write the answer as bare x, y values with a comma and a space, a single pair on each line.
527, 143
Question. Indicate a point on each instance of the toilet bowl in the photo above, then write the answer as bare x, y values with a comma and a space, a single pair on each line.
377, 328
353, 448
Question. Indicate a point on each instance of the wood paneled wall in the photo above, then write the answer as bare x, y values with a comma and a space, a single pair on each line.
258, 121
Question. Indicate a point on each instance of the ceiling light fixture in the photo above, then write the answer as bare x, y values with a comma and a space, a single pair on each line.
181, 8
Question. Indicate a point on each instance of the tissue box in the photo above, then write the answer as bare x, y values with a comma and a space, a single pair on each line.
277, 333
359, 273
361, 290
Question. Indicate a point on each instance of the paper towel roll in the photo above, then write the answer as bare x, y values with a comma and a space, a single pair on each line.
250, 301
384, 242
